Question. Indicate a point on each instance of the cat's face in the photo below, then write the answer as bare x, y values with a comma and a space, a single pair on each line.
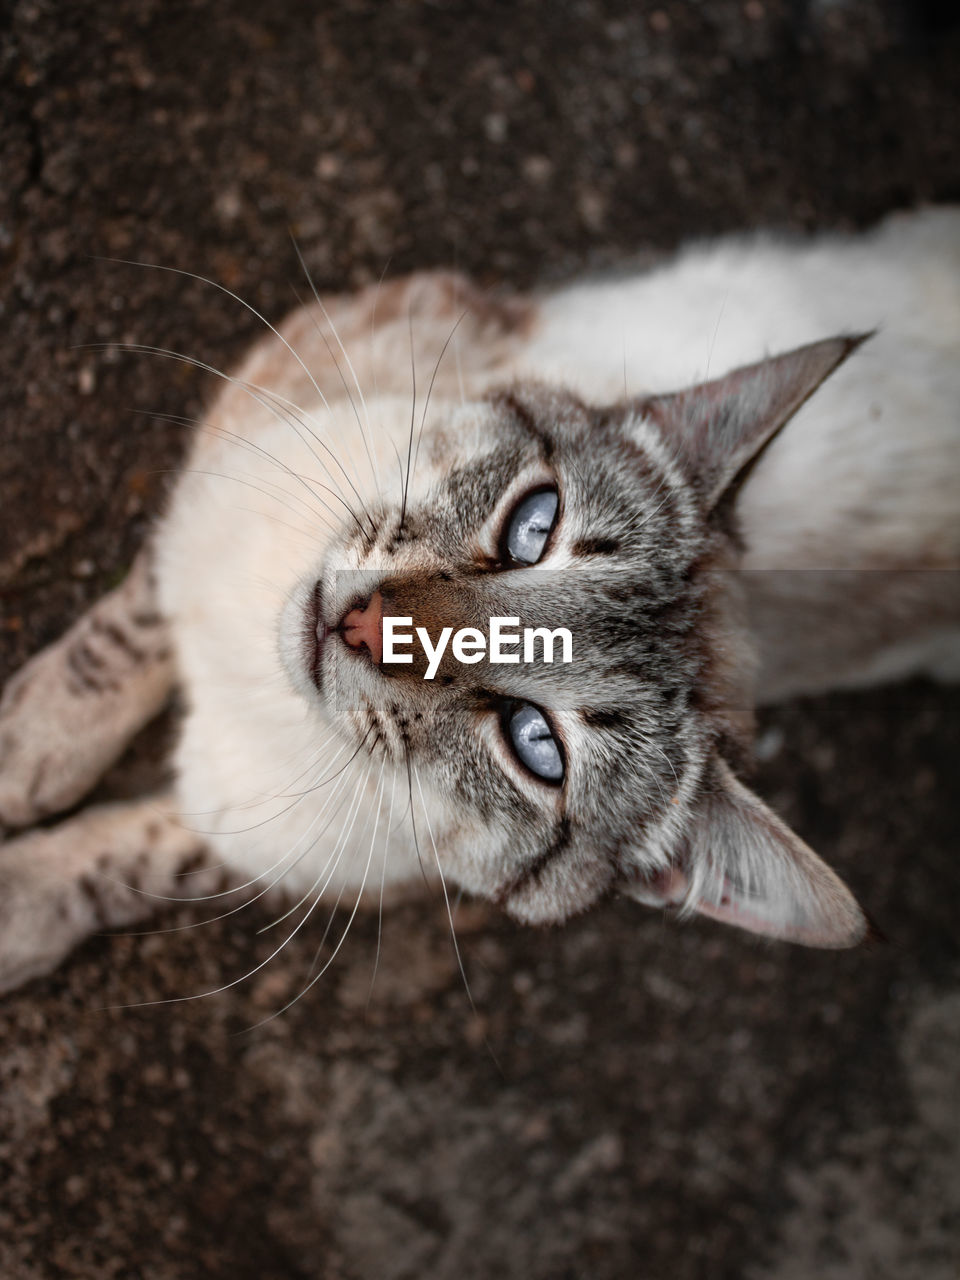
544, 828
547, 784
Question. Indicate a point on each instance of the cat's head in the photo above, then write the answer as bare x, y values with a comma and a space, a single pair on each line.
547, 785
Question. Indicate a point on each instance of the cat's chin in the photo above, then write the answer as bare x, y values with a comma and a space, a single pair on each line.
302, 634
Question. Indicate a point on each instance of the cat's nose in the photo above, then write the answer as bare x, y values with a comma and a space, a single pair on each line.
364, 626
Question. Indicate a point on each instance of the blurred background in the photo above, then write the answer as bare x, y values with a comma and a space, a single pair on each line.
634, 1097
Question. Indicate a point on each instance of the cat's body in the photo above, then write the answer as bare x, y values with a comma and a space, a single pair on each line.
703, 557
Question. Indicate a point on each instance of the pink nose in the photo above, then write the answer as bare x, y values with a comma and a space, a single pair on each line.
365, 627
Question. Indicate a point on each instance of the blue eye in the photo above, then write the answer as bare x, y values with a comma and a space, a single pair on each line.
534, 743
529, 526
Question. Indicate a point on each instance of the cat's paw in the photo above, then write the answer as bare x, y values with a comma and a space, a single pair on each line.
70, 712
107, 867
42, 915
56, 740
43, 767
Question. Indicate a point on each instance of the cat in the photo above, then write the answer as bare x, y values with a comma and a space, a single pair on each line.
732, 479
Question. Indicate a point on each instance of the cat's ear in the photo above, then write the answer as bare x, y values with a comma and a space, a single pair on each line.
720, 428
745, 867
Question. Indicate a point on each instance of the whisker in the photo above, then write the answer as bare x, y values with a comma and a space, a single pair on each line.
350, 761
268, 400
227, 986
352, 812
213, 429
446, 896
363, 433
326, 930
283, 794
191, 275
413, 818
336, 905
353, 374
383, 876
413, 418
716, 330
247, 484
247, 884
436, 370
255, 826
399, 464
304, 535
459, 367
343, 937
373, 327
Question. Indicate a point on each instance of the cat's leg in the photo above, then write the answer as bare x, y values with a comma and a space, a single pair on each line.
109, 866
69, 713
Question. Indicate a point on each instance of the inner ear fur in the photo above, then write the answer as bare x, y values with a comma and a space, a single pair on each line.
720, 428
743, 866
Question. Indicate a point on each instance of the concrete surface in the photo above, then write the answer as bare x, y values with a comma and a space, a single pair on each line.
634, 1098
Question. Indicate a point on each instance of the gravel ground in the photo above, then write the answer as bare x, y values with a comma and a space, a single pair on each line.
633, 1098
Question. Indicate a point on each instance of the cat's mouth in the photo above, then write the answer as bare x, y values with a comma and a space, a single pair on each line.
359, 628
317, 634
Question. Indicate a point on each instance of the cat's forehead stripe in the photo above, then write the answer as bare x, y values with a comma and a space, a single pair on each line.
523, 417
646, 437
